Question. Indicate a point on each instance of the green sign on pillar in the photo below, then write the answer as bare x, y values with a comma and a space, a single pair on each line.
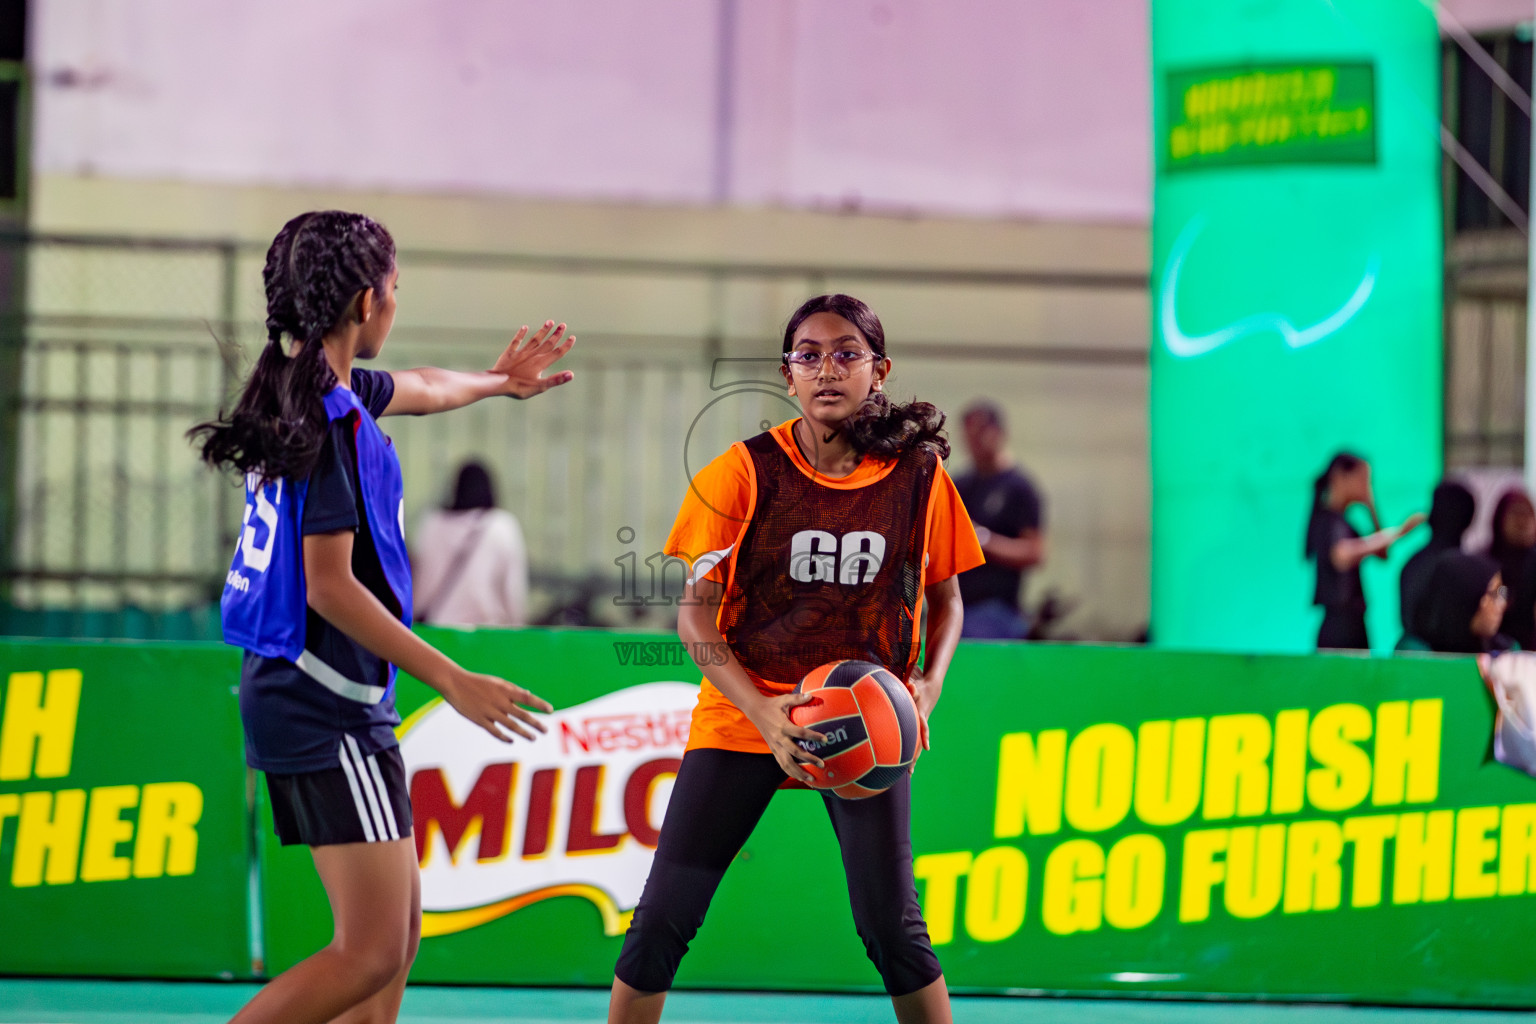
1296, 300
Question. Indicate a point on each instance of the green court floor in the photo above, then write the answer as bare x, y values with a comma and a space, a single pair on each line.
27, 1001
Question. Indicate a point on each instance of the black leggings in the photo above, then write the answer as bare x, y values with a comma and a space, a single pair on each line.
716, 801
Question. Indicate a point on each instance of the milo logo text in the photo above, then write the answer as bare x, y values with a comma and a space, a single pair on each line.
577, 811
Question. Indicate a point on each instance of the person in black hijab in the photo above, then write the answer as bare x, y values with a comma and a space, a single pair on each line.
1450, 514
1513, 544
470, 558
1339, 549
1464, 606
473, 489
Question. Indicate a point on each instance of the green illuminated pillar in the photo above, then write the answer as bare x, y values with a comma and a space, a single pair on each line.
1296, 300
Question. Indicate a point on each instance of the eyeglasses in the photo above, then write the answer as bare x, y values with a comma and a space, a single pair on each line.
844, 361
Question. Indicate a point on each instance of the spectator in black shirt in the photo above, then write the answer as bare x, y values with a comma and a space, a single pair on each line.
1450, 514
1010, 524
1339, 549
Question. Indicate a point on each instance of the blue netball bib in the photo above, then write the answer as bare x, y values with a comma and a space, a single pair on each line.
263, 606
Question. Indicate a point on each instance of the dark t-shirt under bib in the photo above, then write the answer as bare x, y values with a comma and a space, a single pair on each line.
292, 722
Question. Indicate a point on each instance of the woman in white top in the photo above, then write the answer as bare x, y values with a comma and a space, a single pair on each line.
469, 559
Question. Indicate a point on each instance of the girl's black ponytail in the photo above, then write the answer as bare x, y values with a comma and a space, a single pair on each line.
1344, 462
878, 426
315, 268
882, 428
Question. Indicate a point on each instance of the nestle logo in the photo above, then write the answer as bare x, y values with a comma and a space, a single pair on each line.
609, 733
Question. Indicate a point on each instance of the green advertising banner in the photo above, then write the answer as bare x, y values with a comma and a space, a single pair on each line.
1296, 300
1324, 827
1089, 821
123, 822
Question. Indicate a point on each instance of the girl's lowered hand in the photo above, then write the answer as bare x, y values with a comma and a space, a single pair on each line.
786, 740
924, 699
523, 365
494, 704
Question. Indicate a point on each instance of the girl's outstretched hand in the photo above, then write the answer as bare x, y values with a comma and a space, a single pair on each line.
523, 365
784, 737
495, 705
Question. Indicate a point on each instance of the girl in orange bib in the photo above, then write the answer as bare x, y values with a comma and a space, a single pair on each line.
818, 540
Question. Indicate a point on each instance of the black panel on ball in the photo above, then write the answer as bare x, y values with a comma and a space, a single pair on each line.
842, 734
849, 672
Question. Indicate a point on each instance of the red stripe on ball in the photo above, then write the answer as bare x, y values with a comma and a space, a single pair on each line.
843, 768
880, 719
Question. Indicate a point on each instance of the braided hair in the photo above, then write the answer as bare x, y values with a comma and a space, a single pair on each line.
878, 427
316, 267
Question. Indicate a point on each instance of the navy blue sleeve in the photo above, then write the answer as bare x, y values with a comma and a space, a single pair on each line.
331, 501
373, 388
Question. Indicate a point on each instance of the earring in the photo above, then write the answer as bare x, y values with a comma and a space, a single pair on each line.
879, 386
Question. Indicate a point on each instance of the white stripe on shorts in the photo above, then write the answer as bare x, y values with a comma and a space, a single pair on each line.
366, 784
389, 811
357, 796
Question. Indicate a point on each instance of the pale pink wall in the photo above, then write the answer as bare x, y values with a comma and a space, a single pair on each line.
1027, 108
973, 106
578, 97
1481, 15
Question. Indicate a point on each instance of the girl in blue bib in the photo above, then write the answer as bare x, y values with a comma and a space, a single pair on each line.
319, 597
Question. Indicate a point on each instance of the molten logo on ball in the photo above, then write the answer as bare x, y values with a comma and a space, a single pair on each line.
870, 725
837, 738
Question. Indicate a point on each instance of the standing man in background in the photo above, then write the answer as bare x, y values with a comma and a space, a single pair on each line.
1010, 524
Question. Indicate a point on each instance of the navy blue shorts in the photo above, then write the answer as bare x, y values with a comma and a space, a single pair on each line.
361, 800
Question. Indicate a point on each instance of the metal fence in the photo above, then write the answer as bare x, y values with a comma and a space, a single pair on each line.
1485, 254
1485, 340
117, 529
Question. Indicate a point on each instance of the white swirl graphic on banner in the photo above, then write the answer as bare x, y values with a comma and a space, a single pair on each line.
576, 812
1187, 346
